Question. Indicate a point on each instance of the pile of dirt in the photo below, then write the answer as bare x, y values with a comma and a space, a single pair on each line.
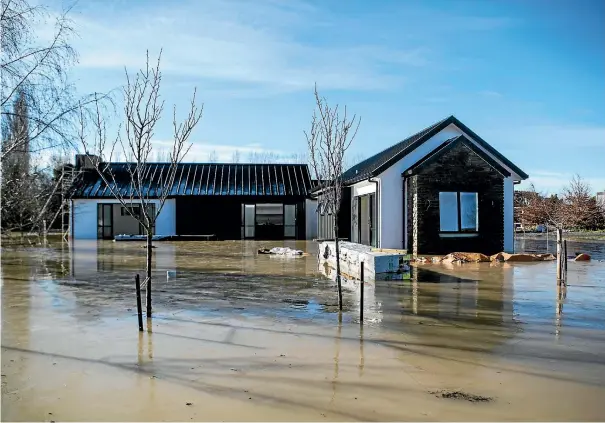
465, 258
521, 257
459, 257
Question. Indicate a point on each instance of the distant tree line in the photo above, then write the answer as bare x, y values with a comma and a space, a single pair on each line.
574, 208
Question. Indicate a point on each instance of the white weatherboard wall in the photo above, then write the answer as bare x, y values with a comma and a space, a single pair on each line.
84, 217
359, 189
310, 219
509, 193
391, 192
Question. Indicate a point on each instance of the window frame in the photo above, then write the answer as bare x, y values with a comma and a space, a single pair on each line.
459, 214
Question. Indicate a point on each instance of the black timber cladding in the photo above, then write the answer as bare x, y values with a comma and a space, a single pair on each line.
386, 158
206, 179
449, 145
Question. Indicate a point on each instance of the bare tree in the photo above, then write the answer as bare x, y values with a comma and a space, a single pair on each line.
142, 111
212, 157
352, 160
35, 70
575, 208
328, 140
298, 158
235, 157
263, 157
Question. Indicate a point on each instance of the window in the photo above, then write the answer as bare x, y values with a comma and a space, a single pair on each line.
458, 212
134, 210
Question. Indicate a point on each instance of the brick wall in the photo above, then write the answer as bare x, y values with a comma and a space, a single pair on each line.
458, 169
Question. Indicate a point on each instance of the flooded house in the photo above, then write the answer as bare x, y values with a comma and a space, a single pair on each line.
440, 190
223, 201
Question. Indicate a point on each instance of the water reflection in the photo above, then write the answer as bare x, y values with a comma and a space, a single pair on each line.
542, 244
95, 280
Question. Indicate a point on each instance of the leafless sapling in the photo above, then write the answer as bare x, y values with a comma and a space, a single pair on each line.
142, 111
328, 140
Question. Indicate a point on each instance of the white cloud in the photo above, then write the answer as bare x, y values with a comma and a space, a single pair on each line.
201, 152
491, 94
554, 182
252, 43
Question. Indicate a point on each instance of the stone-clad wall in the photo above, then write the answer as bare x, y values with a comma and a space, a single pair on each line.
458, 169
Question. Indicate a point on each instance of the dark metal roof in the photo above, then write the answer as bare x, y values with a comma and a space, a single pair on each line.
450, 144
378, 163
202, 179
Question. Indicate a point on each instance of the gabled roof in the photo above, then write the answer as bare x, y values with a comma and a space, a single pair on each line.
378, 163
449, 145
202, 179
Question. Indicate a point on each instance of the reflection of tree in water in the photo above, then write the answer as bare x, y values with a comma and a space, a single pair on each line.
17, 272
102, 281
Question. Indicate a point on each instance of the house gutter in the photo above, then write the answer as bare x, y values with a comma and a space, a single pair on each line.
378, 216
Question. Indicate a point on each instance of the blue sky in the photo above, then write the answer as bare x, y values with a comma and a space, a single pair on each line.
528, 76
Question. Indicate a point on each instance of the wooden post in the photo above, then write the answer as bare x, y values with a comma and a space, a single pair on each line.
137, 283
559, 254
565, 261
361, 277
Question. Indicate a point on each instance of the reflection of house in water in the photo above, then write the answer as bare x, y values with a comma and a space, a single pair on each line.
89, 257
477, 294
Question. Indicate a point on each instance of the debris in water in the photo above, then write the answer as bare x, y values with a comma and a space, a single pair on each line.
282, 251
461, 396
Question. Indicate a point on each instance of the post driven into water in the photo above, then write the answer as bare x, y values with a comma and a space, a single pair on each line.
565, 262
361, 277
137, 283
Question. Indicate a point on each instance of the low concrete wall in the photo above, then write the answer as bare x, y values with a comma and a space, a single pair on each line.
378, 265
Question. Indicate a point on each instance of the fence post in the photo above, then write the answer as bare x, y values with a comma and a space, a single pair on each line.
361, 277
137, 283
565, 261
559, 255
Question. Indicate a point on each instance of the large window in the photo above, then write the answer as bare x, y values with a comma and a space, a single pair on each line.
458, 212
134, 210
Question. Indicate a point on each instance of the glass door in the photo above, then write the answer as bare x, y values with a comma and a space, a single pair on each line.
248, 220
289, 220
105, 221
372, 220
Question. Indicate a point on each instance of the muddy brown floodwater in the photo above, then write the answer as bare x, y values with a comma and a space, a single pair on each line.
241, 336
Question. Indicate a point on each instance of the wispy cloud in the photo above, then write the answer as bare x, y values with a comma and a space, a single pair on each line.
201, 151
234, 41
478, 23
490, 94
554, 182
552, 136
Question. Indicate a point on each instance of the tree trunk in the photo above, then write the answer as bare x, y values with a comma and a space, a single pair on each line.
149, 253
338, 282
559, 253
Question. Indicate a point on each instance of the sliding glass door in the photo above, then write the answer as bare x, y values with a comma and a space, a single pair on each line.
104, 221
269, 221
